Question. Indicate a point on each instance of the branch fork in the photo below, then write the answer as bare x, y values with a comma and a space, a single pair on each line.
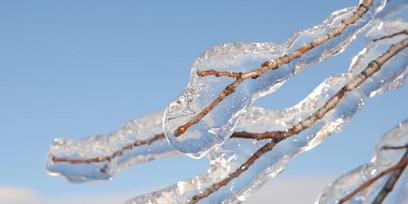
269, 65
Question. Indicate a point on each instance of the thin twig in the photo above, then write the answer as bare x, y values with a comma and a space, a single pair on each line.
117, 153
275, 135
213, 188
372, 67
219, 73
394, 147
270, 65
257, 136
137, 143
227, 91
403, 32
399, 166
392, 180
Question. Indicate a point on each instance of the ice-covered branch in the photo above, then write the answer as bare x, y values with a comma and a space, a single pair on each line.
139, 141
240, 166
262, 140
397, 169
377, 181
103, 162
99, 157
394, 177
225, 82
371, 69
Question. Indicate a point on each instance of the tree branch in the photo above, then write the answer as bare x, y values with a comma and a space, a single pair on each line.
117, 153
402, 32
372, 68
138, 143
397, 169
269, 65
275, 136
392, 180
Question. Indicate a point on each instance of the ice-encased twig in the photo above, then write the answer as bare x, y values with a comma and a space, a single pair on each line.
381, 160
119, 146
99, 157
208, 110
228, 158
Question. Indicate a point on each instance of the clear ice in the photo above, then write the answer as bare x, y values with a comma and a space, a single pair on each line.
137, 130
225, 159
381, 160
217, 126
100, 157
130, 135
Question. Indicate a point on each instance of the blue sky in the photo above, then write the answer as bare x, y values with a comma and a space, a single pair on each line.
78, 68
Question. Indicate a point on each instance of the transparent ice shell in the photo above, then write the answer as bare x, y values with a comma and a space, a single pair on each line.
217, 126
141, 140
227, 158
131, 144
381, 160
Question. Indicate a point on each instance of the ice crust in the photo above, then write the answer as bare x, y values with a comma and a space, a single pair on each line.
381, 160
217, 126
226, 158
106, 145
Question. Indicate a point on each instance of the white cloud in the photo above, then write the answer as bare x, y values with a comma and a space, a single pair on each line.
21, 195
17, 195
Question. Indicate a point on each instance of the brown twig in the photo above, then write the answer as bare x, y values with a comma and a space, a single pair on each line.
227, 91
403, 32
137, 143
269, 65
392, 180
397, 169
276, 137
394, 147
117, 153
257, 136
372, 68
219, 73
266, 148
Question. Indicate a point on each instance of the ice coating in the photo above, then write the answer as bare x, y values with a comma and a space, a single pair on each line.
381, 160
227, 158
100, 157
216, 126
122, 152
